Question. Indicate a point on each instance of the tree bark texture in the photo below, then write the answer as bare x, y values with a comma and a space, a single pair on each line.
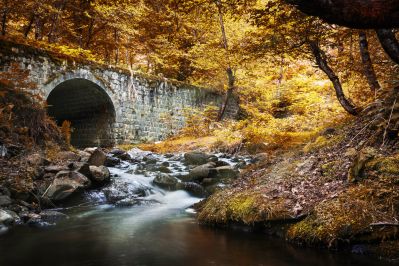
369, 14
368, 68
389, 42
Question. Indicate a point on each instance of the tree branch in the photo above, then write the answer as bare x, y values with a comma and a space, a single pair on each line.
389, 43
353, 13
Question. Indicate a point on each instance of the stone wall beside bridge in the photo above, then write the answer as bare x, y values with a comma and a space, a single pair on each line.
107, 105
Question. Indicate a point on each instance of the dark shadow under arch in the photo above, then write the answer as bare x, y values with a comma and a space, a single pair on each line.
88, 107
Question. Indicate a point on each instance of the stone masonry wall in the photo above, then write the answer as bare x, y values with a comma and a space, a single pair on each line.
146, 108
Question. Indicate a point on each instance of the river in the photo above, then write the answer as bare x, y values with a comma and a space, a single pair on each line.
162, 231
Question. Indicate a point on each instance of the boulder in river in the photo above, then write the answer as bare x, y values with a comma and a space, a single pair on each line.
112, 161
165, 181
120, 189
4, 191
120, 154
97, 158
196, 158
227, 172
221, 163
5, 200
99, 174
65, 184
84, 156
150, 159
164, 169
192, 188
81, 167
200, 172
6, 218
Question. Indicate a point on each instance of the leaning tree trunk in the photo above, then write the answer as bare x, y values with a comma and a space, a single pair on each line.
28, 27
389, 43
370, 14
229, 93
323, 65
229, 70
368, 68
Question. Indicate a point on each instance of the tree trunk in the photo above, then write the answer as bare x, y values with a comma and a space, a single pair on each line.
229, 71
389, 43
229, 93
323, 65
89, 34
54, 23
368, 68
116, 46
371, 14
38, 29
29, 26
4, 21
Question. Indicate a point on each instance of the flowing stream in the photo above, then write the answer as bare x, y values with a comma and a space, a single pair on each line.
161, 230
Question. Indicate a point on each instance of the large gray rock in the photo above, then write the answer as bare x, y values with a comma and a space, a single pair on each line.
200, 172
97, 158
4, 191
165, 181
5, 200
192, 188
65, 184
196, 158
6, 218
99, 174
112, 161
84, 156
55, 168
81, 167
164, 169
150, 159
120, 154
121, 190
227, 172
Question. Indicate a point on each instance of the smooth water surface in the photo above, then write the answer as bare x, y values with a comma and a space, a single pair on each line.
142, 236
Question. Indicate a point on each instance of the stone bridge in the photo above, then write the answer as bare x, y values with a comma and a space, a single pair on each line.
106, 105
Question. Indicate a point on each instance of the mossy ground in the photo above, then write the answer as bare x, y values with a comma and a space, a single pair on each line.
308, 192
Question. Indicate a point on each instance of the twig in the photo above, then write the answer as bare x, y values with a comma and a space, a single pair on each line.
46, 191
389, 121
384, 224
364, 128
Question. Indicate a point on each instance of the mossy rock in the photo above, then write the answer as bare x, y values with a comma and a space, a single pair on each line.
246, 207
385, 165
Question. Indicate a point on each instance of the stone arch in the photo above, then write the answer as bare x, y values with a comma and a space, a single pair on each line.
88, 106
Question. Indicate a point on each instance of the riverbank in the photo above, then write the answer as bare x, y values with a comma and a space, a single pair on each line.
340, 191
